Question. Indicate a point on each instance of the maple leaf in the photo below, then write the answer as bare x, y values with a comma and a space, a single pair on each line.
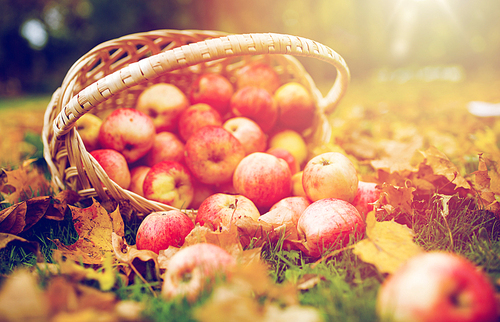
23, 183
482, 184
94, 226
394, 199
387, 245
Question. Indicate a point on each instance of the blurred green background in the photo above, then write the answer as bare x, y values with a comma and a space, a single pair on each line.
387, 39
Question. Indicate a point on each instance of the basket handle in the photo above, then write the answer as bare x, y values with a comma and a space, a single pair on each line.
199, 52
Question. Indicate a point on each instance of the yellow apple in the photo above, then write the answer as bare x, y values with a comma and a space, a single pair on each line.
297, 187
292, 141
88, 126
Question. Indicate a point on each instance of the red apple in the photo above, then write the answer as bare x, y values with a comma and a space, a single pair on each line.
195, 117
194, 269
258, 74
159, 230
88, 126
115, 166
201, 192
212, 89
129, 132
263, 178
330, 175
166, 146
296, 105
366, 196
212, 154
329, 224
248, 133
284, 215
169, 182
164, 103
257, 104
287, 156
437, 286
220, 211
137, 175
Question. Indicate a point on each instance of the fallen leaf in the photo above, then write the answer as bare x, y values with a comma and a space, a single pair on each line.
94, 226
23, 183
22, 216
387, 245
482, 183
394, 199
9, 239
57, 208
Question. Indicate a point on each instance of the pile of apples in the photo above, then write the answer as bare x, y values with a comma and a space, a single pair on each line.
231, 148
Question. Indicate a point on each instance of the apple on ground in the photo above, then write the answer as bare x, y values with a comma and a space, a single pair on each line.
194, 269
220, 211
284, 215
296, 105
88, 126
195, 117
213, 89
166, 146
255, 103
248, 133
129, 132
164, 103
169, 182
263, 178
162, 229
258, 74
114, 164
330, 175
201, 192
292, 141
297, 188
212, 154
366, 196
287, 156
137, 175
437, 286
329, 224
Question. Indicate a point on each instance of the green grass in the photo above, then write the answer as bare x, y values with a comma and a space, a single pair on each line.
27, 102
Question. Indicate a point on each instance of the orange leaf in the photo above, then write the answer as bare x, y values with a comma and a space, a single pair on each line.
23, 183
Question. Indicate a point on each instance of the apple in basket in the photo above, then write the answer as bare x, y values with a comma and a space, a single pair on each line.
194, 269
88, 126
248, 133
114, 164
169, 182
287, 156
292, 141
164, 103
297, 187
437, 286
296, 106
212, 89
330, 175
263, 178
220, 211
137, 175
162, 229
329, 224
201, 192
366, 196
212, 154
258, 74
195, 117
255, 103
166, 146
129, 132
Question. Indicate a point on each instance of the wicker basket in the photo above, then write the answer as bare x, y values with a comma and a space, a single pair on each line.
114, 73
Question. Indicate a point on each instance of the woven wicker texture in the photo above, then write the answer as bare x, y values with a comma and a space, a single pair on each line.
113, 74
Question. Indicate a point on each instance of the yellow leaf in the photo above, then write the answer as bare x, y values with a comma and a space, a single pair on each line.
387, 246
23, 183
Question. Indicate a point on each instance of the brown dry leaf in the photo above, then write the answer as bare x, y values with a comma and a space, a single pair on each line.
394, 199
482, 184
21, 298
250, 295
228, 240
442, 166
23, 183
94, 226
9, 239
22, 216
255, 233
132, 260
57, 208
387, 245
